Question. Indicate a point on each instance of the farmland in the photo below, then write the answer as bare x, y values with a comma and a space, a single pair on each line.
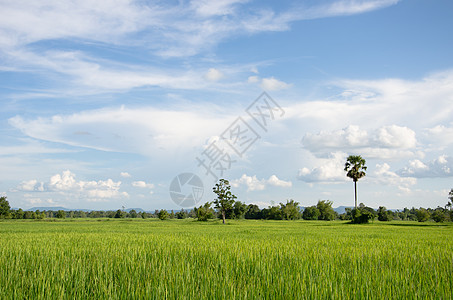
185, 259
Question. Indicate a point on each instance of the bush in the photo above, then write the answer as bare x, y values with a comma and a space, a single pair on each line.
361, 216
204, 212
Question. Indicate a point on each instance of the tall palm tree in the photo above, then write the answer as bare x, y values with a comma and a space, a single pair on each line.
450, 197
355, 166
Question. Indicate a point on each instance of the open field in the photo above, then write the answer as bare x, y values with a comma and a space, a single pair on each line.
185, 259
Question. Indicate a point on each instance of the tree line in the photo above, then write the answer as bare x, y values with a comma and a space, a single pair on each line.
226, 207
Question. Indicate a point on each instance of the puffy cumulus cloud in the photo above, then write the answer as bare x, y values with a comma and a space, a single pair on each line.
384, 142
351, 136
383, 175
394, 136
142, 184
125, 175
272, 84
252, 183
213, 75
63, 182
255, 184
442, 166
328, 170
31, 185
273, 180
66, 183
439, 135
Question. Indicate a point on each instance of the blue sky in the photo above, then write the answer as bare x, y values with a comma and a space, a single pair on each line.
104, 103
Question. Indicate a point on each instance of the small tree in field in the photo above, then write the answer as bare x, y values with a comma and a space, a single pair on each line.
225, 199
162, 214
355, 168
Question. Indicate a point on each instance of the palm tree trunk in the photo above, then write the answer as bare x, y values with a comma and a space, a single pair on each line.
355, 193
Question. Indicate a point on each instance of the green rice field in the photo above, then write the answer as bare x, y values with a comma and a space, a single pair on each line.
244, 259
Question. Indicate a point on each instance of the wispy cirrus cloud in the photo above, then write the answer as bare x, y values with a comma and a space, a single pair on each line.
155, 28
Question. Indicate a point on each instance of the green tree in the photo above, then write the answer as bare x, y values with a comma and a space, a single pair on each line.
5, 209
182, 214
133, 213
61, 214
355, 168
253, 212
18, 214
384, 214
290, 210
311, 213
439, 215
239, 209
162, 214
326, 211
120, 214
272, 213
450, 203
225, 199
422, 215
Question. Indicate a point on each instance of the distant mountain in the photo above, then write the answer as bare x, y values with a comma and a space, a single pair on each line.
56, 208
138, 209
342, 209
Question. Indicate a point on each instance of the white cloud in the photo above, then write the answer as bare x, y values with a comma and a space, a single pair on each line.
273, 180
29, 146
147, 131
253, 79
439, 135
185, 28
142, 184
254, 70
66, 183
327, 170
272, 84
31, 185
396, 137
213, 75
383, 175
345, 7
171, 30
254, 184
208, 8
125, 175
384, 142
442, 166
351, 136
